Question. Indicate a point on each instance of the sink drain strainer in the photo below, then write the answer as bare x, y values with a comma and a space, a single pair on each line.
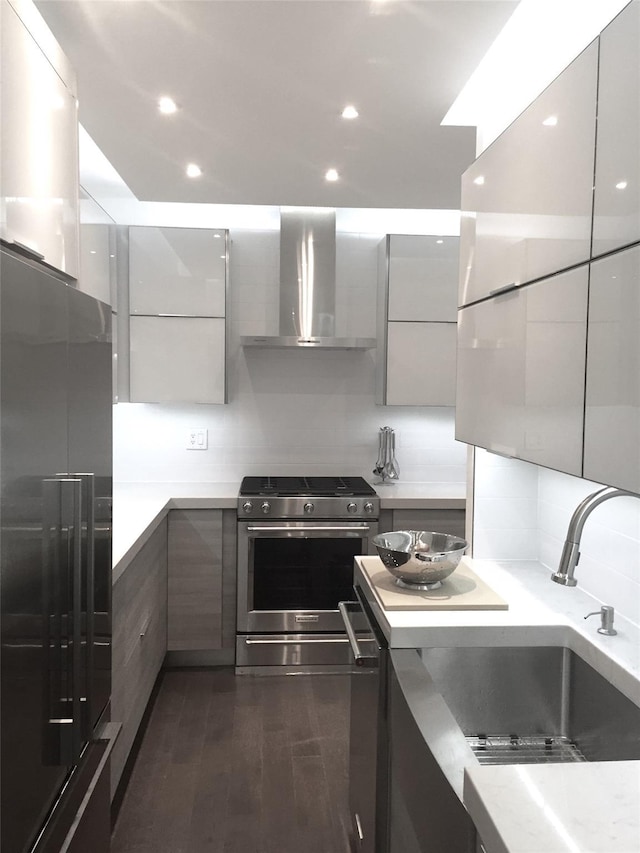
524, 749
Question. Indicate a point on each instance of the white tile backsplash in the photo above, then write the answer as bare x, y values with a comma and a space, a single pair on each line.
522, 508
290, 410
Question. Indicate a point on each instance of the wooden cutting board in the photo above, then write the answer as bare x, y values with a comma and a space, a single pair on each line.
462, 590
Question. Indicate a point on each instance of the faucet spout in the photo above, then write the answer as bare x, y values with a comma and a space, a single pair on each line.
571, 551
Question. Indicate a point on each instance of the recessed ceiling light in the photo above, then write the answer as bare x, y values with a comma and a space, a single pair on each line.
331, 175
479, 180
439, 241
550, 121
621, 185
167, 105
350, 112
193, 170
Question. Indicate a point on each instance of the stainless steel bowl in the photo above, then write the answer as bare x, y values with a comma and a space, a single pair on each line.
419, 559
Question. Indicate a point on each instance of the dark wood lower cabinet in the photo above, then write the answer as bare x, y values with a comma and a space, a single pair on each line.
442, 520
201, 586
139, 641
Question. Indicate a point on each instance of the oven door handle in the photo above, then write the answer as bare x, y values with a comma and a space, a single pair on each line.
308, 528
281, 641
360, 659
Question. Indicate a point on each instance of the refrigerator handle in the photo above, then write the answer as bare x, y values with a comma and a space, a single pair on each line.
71, 515
87, 601
63, 637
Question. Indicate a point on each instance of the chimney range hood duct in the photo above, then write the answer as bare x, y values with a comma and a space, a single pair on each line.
307, 284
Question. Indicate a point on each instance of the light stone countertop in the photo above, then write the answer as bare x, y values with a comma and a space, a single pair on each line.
138, 508
562, 808
556, 808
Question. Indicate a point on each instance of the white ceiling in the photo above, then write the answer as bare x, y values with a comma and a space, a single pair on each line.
261, 84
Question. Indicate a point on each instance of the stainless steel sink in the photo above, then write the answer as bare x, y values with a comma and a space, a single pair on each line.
533, 704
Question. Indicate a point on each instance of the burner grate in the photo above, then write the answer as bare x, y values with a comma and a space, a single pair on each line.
306, 486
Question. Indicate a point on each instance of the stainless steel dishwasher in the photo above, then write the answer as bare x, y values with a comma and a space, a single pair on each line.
368, 736
426, 813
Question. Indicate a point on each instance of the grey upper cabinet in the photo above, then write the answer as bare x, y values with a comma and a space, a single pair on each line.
521, 365
177, 271
617, 186
527, 200
417, 283
612, 414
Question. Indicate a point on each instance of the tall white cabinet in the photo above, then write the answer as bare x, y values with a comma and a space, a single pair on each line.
177, 308
417, 284
38, 140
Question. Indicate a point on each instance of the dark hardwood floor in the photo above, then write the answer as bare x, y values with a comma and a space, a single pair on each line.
240, 764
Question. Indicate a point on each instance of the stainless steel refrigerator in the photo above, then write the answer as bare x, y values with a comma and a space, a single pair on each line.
55, 547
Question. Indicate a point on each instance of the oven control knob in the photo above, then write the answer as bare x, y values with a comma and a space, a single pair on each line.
368, 507
266, 507
247, 506
308, 508
351, 507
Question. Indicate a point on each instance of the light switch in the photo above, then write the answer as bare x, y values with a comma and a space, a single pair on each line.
197, 439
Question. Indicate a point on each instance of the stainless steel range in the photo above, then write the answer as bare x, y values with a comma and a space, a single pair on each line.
297, 537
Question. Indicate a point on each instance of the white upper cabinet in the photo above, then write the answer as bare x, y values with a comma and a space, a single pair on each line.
97, 262
179, 271
521, 363
177, 359
38, 142
177, 326
527, 200
612, 414
617, 185
417, 313
421, 272
421, 364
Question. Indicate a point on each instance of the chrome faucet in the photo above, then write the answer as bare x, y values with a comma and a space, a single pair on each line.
571, 550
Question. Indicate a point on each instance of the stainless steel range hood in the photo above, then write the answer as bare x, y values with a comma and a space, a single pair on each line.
307, 284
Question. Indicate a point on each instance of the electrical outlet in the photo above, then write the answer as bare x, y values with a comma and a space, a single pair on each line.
197, 439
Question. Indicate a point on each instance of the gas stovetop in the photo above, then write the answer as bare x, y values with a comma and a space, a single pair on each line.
318, 497
306, 486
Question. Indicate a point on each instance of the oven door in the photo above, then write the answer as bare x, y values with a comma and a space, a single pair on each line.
292, 574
